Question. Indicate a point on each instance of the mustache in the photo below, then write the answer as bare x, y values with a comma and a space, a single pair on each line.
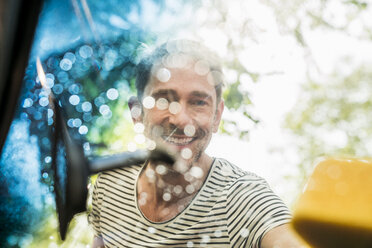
170, 130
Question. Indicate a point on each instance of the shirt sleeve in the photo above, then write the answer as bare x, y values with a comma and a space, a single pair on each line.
252, 210
94, 214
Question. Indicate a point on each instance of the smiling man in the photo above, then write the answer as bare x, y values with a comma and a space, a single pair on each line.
199, 201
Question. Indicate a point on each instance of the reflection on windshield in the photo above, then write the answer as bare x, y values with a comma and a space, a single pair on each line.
23, 196
88, 51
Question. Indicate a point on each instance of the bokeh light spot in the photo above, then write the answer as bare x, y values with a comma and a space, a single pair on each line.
139, 127
162, 103
161, 169
196, 172
140, 138
85, 51
74, 100
189, 130
163, 75
112, 94
86, 106
174, 107
186, 153
83, 129
244, 232
65, 64
201, 67
148, 102
167, 196
132, 147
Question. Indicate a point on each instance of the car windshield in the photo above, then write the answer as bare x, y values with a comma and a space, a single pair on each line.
286, 102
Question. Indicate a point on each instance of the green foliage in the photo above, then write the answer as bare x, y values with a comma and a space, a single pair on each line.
333, 118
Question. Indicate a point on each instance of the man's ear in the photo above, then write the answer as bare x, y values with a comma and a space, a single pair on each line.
135, 109
218, 115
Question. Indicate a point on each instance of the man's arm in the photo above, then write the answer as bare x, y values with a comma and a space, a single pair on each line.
281, 237
98, 242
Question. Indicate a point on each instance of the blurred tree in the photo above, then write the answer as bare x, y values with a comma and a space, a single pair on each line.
333, 118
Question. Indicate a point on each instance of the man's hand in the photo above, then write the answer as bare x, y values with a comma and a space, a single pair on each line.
98, 242
281, 237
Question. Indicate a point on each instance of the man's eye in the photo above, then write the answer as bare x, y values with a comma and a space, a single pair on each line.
199, 103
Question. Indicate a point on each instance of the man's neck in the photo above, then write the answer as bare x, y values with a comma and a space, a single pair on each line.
170, 192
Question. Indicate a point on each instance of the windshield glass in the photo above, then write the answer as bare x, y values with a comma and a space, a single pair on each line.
285, 103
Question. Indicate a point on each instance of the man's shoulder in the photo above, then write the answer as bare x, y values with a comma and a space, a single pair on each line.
128, 173
235, 176
235, 172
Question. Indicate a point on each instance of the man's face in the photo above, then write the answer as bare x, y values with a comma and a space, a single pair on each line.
186, 112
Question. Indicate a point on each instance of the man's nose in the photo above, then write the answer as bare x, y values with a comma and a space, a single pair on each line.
180, 116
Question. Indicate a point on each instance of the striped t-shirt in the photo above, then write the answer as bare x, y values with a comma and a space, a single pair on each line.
233, 208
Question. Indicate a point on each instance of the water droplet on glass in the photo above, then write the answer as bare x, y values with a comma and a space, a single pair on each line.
186, 153
44, 101
104, 109
142, 201
140, 138
177, 189
135, 112
77, 122
150, 145
49, 82
190, 244
148, 102
98, 101
65, 64
163, 75
74, 89
27, 103
244, 232
167, 196
139, 127
162, 103
189, 130
87, 117
190, 189
112, 94
157, 131
70, 122
74, 100
85, 51
70, 56
86, 146
86, 106
180, 207
215, 78
161, 169
62, 76
57, 89
132, 146
48, 159
174, 107
143, 195
45, 175
201, 67
205, 238
150, 173
196, 172
334, 172
83, 130
180, 166
218, 233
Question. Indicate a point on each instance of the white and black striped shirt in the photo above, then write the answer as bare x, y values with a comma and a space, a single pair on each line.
232, 209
